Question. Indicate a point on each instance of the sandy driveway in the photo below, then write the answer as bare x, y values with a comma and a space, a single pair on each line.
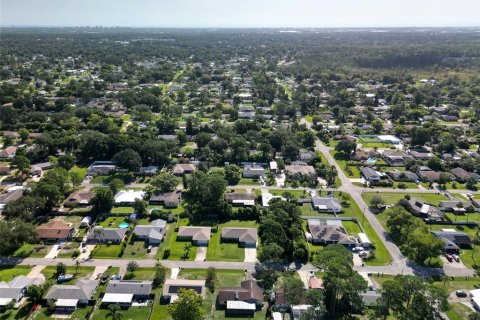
36, 272
250, 255
53, 252
98, 270
86, 255
201, 254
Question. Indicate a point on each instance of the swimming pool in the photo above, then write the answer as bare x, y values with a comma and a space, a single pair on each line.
123, 225
371, 161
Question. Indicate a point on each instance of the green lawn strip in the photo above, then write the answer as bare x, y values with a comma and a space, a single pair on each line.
167, 240
223, 251
297, 194
31, 250
7, 273
132, 313
141, 274
112, 222
122, 210
220, 315
135, 250
177, 249
474, 216
351, 209
458, 311
83, 272
352, 228
248, 182
106, 251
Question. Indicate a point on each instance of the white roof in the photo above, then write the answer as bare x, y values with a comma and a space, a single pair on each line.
388, 137
128, 196
475, 293
425, 208
363, 238
240, 305
277, 316
453, 230
267, 196
273, 165
245, 202
117, 298
476, 301
66, 302
5, 301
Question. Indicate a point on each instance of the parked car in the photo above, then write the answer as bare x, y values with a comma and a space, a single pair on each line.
456, 257
461, 294
84, 250
104, 278
84, 244
449, 257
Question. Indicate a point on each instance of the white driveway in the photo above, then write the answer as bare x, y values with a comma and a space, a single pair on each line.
280, 179
53, 252
250, 255
201, 254
357, 261
174, 273
98, 270
85, 255
36, 272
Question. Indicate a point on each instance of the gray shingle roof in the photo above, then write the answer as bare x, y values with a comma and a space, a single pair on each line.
130, 287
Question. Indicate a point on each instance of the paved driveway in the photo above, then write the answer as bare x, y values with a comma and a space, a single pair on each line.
98, 270
86, 255
201, 254
250, 255
53, 252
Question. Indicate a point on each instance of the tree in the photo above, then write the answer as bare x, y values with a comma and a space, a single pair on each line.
188, 306
66, 161
186, 250
35, 293
140, 207
132, 266
61, 269
159, 277
75, 178
128, 159
9, 306
50, 192
347, 147
206, 193
115, 185
294, 289
315, 298
377, 126
377, 201
265, 275
233, 174
114, 312
211, 279
14, 233
164, 182
22, 163
103, 201
271, 252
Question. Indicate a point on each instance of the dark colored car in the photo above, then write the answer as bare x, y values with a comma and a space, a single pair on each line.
461, 294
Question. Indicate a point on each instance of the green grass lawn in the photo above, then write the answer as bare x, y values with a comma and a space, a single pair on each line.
167, 240
132, 313
7, 273
475, 216
392, 198
297, 194
141, 274
112, 222
458, 311
106, 251
248, 182
68, 249
32, 251
218, 251
343, 162
81, 171
122, 210
225, 278
83, 273
136, 250
352, 228
177, 249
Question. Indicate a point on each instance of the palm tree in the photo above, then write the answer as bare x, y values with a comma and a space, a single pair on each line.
77, 265
114, 312
187, 248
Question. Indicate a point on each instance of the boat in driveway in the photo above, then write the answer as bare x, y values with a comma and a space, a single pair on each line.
64, 277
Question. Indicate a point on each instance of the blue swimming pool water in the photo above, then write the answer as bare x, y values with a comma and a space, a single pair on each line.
123, 225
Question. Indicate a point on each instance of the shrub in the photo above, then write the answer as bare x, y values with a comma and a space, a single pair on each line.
75, 253
166, 254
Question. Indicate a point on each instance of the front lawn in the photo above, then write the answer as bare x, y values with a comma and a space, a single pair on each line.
393, 197
177, 249
218, 251
141, 274
106, 251
28, 250
82, 273
344, 162
7, 273
248, 182
352, 228
135, 250
132, 313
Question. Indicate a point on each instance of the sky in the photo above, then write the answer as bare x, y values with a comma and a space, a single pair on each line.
242, 13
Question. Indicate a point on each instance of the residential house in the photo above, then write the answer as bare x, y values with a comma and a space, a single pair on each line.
328, 204
455, 205
370, 298
148, 171
329, 232
127, 197
104, 235
362, 155
253, 171
463, 175
55, 231
421, 154
454, 156
404, 176
427, 211
68, 297
11, 194
181, 169
5, 169
454, 240
395, 157
172, 286
246, 237
15, 289
306, 155
430, 175
240, 198
373, 177
79, 198
167, 199
8, 152
127, 292
315, 283
199, 236
101, 168
273, 166
152, 233
298, 170
242, 300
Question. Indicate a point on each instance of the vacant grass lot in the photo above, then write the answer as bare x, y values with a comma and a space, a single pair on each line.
106, 251
248, 182
32, 250
135, 250
7, 273
392, 198
343, 162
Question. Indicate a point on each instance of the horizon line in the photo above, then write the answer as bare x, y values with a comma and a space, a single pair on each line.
236, 27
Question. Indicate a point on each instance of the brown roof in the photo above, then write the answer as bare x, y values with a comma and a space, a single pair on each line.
11, 195
248, 290
242, 234
182, 167
81, 196
315, 283
54, 230
8, 151
196, 233
299, 169
166, 197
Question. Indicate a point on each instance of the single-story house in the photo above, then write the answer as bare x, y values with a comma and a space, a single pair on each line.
240, 198
475, 298
430, 175
11, 194
252, 171
327, 204
395, 157
79, 198
421, 154
15, 289
8, 152
405, 176
454, 240
104, 235
370, 298
329, 232
152, 233
172, 286
183, 168
455, 205
5, 169
463, 175
68, 297
126, 292
101, 168
167, 199
299, 170
370, 175
245, 299
419, 208
55, 231
246, 237
198, 235
128, 197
